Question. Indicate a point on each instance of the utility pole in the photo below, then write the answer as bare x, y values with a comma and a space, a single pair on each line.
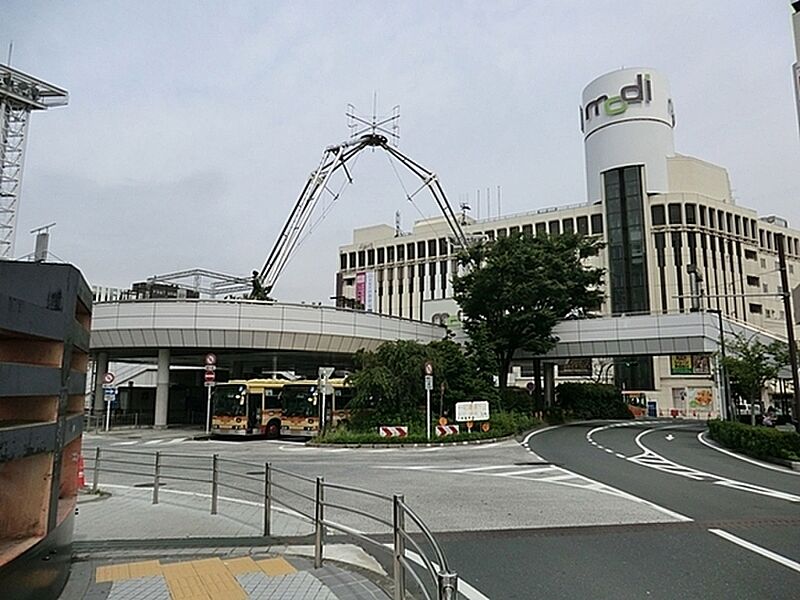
787, 311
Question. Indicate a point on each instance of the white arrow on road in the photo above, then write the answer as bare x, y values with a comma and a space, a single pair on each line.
669, 437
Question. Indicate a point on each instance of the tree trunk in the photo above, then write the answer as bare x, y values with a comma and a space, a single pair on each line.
537, 383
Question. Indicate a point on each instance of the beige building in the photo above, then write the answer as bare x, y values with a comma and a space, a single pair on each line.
662, 216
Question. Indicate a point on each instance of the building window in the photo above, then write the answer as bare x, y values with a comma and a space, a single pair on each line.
513, 230
443, 249
541, 228
761, 238
765, 288
420, 249
657, 214
674, 214
753, 280
342, 261
381, 256
370, 257
702, 210
410, 251
738, 224
501, 233
431, 248
490, 234
527, 229
567, 226
750, 254
755, 308
390, 254
729, 222
627, 257
583, 225
352, 259
597, 224
769, 240
554, 227
711, 218
691, 216
362, 258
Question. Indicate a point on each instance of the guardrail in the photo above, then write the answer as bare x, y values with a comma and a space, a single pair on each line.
435, 580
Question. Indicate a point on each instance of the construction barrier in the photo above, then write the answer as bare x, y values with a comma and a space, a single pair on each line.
393, 430
81, 474
446, 430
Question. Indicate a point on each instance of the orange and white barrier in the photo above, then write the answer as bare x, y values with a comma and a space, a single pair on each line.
81, 473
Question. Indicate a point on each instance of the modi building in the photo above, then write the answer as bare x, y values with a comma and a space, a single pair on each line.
675, 240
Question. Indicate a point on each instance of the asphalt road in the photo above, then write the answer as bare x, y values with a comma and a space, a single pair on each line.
643, 510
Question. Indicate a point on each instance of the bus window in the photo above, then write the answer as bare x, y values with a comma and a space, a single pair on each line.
272, 400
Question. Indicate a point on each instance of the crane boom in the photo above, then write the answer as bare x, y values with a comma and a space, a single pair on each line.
335, 158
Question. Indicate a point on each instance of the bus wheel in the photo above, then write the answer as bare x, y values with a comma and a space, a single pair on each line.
273, 429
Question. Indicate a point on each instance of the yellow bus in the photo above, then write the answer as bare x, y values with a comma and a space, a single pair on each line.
302, 405
247, 408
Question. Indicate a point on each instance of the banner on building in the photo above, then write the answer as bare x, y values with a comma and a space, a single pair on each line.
576, 367
690, 364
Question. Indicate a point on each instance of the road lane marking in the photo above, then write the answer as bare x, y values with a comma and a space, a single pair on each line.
603, 488
701, 437
151, 442
475, 469
774, 556
125, 443
653, 460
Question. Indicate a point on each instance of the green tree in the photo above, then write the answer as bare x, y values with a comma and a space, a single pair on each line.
750, 364
515, 289
389, 382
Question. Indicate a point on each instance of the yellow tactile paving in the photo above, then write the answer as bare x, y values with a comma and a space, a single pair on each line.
276, 566
243, 564
183, 582
112, 573
217, 580
145, 568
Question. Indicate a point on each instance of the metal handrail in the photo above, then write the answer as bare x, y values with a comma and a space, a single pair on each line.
446, 581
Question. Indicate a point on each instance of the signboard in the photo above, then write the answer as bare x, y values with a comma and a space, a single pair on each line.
428, 382
369, 291
576, 366
361, 288
325, 372
472, 411
428, 368
211, 359
108, 378
109, 394
690, 364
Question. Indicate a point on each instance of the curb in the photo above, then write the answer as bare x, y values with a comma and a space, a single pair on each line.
415, 444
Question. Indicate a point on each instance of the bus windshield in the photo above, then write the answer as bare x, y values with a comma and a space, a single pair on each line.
299, 400
230, 400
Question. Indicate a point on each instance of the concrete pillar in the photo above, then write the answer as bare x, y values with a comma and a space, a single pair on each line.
100, 368
549, 383
162, 389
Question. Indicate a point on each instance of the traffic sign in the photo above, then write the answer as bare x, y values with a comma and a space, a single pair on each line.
325, 372
210, 384
108, 377
442, 421
210, 376
211, 358
472, 411
428, 367
428, 382
109, 394
211, 368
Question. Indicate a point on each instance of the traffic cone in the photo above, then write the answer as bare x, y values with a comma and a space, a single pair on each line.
81, 474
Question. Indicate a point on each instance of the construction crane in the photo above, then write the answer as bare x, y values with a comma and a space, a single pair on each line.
334, 158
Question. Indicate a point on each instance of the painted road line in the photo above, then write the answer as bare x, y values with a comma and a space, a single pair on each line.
177, 440
782, 560
151, 442
476, 469
607, 489
125, 443
701, 437
528, 472
649, 459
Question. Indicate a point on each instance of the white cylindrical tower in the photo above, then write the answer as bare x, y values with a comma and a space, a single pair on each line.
627, 119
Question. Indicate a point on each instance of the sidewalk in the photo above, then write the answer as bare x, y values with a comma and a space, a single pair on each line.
126, 548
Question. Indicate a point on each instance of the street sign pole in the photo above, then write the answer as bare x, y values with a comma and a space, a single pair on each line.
108, 415
208, 411
428, 412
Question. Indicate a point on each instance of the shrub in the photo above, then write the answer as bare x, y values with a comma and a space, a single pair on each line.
760, 442
502, 424
591, 401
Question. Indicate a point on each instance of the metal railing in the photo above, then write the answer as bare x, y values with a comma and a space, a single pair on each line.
415, 555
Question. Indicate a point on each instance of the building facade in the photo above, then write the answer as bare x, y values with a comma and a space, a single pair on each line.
675, 238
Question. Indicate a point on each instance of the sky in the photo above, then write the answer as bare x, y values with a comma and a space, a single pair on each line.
193, 126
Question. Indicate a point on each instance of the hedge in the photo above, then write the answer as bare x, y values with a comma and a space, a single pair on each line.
760, 442
591, 401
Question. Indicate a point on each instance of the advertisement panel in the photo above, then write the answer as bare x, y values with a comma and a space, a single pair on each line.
690, 364
361, 288
369, 291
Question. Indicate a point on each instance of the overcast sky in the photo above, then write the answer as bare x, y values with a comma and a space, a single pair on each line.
192, 126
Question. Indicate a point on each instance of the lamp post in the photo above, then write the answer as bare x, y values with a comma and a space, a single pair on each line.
787, 311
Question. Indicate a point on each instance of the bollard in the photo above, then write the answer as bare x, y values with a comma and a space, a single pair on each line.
448, 586
267, 500
399, 549
96, 478
214, 483
319, 516
156, 477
